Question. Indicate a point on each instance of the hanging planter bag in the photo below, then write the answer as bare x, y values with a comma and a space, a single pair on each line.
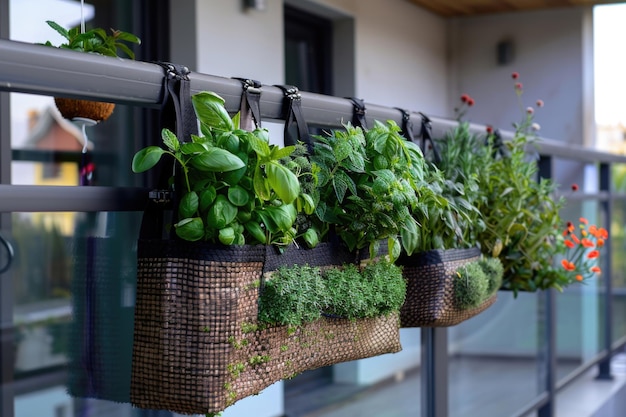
198, 346
430, 299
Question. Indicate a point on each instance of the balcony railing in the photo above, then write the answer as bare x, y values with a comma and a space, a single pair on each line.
40, 70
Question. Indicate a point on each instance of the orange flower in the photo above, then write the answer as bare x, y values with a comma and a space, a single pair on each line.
584, 233
579, 277
569, 266
575, 239
603, 233
596, 269
583, 220
569, 243
593, 229
593, 254
600, 243
587, 243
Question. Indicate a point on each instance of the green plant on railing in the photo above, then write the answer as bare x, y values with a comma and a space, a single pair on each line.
294, 295
477, 281
96, 40
367, 186
234, 190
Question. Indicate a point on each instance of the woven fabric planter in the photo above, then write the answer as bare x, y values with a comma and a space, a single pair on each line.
430, 298
198, 346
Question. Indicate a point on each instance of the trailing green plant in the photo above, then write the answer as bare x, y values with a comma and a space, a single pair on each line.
368, 187
297, 294
95, 40
234, 189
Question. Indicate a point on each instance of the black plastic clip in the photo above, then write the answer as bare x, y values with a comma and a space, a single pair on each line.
358, 112
292, 112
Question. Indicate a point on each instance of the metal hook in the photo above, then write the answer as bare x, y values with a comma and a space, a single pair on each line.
10, 254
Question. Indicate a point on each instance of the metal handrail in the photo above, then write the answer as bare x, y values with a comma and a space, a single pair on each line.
37, 69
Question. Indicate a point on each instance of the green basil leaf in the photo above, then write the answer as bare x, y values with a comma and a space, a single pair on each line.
238, 196
261, 186
284, 182
170, 140
227, 236
190, 229
188, 205
207, 197
233, 177
228, 141
216, 160
283, 216
256, 231
210, 110
146, 158
191, 148
259, 145
279, 153
221, 213
311, 238
410, 236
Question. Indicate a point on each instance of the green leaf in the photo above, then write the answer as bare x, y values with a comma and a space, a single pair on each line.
221, 213
261, 186
60, 29
238, 196
129, 37
191, 148
146, 158
311, 238
210, 110
190, 229
227, 236
207, 197
237, 120
170, 140
283, 216
188, 205
216, 160
284, 182
259, 145
256, 231
410, 236
279, 153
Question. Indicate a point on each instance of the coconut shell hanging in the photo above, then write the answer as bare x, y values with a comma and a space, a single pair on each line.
71, 108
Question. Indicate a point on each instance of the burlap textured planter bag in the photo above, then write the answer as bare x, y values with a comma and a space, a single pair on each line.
430, 298
198, 346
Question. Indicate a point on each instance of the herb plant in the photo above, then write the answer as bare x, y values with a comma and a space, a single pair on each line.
298, 294
367, 187
96, 40
477, 281
234, 188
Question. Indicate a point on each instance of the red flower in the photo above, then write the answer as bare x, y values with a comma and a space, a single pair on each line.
596, 269
465, 98
515, 75
587, 243
519, 86
539, 103
569, 266
569, 243
575, 238
593, 254
603, 233
574, 187
583, 220
470, 102
489, 129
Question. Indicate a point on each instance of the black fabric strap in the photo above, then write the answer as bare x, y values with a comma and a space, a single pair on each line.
498, 145
250, 108
177, 115
407, 125
292, 113
426, 134
358, 115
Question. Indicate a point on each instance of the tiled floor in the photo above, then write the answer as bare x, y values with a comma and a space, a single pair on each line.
477, 387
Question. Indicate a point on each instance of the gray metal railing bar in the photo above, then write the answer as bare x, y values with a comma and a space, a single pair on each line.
536, 404
37, 198
37, 69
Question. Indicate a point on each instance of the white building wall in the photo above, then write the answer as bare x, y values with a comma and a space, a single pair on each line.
551, 57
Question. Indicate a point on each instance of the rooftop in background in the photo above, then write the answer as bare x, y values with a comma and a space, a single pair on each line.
450, 8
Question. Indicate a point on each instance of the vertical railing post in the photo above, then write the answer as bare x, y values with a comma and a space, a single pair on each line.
434, 372
604, 366
547, 327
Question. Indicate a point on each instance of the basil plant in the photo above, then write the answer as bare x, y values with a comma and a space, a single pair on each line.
235, 189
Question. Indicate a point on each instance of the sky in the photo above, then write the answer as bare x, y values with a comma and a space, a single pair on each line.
610, 64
